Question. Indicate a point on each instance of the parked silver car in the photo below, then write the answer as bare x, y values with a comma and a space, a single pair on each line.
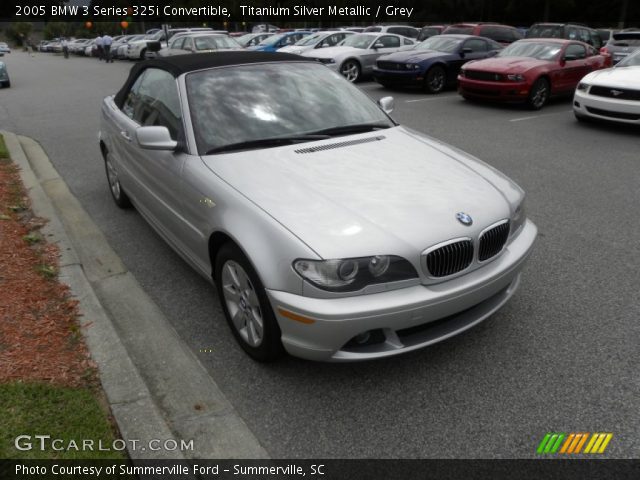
316, 40
356, 55
199, 43
622, 44
329, 230
5, 81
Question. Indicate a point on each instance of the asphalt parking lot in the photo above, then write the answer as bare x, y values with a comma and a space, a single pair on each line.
562, 356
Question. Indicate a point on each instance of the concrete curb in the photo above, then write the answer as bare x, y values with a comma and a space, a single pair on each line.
156, 387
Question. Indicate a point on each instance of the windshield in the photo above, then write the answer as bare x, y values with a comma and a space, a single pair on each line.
214, 42
622, 39
545, 31
460, 30
360, 40
272, 40
311, 39
254, 102
440, 44
538, 50
632, 60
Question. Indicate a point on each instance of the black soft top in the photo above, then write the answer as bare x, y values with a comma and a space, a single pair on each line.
179, 64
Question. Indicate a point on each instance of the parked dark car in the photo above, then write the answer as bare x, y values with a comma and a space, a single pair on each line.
503, 34
430, 31
433, 64
569, 31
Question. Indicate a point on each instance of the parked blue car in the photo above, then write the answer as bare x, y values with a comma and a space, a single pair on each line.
433, 64
279, 40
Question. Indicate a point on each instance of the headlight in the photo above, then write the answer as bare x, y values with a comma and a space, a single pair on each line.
326, 60
583, 87
516, 77
412, 66
352, 274
519, 217
462, 73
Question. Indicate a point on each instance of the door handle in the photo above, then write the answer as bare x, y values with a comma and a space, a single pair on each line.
125, 135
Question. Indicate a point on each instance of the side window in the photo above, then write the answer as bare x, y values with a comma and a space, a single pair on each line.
158, 102
188, 43
389, 41
596, 41
584, 35
133, 97
177, 43
490, 32
406, 41
575, 50
396, 30
476, 45
592, 51
573, 33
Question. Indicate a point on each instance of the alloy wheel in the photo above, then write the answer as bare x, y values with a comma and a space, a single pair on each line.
242, 303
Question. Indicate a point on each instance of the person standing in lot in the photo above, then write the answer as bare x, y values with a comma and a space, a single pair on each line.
65, 47
106, 46
99, 46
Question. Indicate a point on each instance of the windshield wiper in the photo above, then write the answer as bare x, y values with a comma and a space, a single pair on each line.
358, 128
266, 142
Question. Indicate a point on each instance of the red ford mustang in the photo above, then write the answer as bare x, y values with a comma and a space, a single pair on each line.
531, 71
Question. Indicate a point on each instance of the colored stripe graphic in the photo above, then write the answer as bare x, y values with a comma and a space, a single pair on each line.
572, 443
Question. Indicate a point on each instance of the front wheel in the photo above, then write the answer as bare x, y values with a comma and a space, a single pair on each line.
143, 52
350, 69
435, 80
539, 94
119, 196
246, 306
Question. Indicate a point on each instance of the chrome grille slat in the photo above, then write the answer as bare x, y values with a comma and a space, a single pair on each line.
492, 241
449, 259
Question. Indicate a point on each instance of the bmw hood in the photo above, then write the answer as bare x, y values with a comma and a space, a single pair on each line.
413, 56
623, 77
391, 191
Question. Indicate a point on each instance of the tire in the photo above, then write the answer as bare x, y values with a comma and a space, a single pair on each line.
435, 79
245, 305
6, 84
143, 52
539, 94
117, 192
351, 70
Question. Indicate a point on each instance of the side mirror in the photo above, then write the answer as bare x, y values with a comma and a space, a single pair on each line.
569, 58
464, 51
155, 138
492, 53
378, 45
386, 104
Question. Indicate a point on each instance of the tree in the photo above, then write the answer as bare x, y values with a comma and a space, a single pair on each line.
19, 31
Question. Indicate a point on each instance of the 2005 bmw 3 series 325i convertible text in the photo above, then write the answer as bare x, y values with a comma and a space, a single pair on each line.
329, 231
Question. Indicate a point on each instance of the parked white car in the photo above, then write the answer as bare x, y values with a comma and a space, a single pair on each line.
316, 40
357, 54
611, 94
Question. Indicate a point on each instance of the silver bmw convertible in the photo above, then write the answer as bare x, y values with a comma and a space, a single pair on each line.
330, 231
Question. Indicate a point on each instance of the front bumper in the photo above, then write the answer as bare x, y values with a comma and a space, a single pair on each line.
401, 320
605, 108
408, 77
497, 91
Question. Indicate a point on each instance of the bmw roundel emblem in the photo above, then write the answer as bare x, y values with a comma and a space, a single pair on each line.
464, 218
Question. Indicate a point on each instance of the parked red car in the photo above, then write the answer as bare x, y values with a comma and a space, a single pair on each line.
503, 34
530, 71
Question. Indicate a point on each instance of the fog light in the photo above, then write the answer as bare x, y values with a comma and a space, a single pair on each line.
362, 338
576, 104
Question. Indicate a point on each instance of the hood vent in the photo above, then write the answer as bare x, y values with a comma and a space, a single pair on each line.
331, 146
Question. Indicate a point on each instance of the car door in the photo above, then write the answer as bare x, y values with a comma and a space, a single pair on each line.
154, 174
387, 44
471, 49
573, 67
